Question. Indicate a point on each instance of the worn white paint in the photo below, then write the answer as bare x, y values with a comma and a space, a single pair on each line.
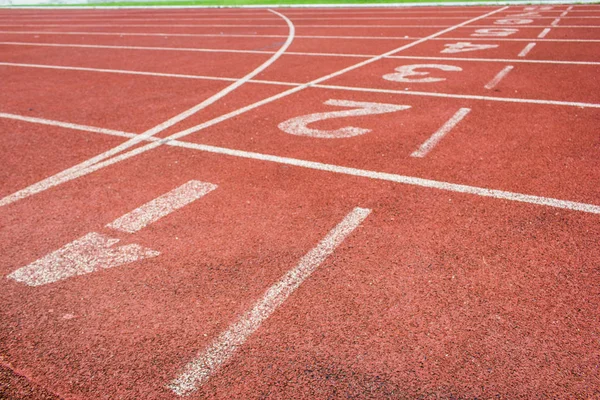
462, 47
495, 32
526, 50
405, 72
85, 255
299, 125
220, 351
430, 143
513, 21
162, 206
492, 84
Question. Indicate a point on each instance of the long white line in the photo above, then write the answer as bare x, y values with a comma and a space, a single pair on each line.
209, 361
76, 170
322, 86
255, 36
409, 180
117, 21
526, 50
430, 143
288, 53
67, 125
492, 84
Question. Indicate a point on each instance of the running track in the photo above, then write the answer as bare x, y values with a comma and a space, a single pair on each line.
300, 203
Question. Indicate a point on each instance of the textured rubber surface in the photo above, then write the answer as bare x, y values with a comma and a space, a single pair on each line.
439, 292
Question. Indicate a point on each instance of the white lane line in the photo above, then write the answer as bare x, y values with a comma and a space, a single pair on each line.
79, 169
498, 60
464, 96
324, 86
492, 84
544, 33
67, 125
256, 36
526, 50
209, 361
97, 162
85, 255
161, 206
430, 143
408, 180
469, 59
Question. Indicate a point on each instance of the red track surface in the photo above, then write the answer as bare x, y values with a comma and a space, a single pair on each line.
436, 294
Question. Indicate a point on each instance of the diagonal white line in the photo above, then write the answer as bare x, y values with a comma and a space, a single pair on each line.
209, 361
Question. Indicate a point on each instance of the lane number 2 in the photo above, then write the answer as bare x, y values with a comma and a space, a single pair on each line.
299, 125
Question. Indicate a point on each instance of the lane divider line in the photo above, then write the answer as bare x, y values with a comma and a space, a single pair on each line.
79, 169
224, 347
430, 143
403, 179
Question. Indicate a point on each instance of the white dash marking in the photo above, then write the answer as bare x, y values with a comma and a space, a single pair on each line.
443, 131
208, 362
161, 206
555, 22
492, 84
85, 255
544, 33
526, 50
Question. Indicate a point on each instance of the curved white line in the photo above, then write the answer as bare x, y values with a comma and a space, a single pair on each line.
84, 167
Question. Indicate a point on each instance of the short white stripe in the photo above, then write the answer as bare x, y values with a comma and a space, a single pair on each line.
544, 33
161, 206
526, 50
430, 143
209, 361
492, 84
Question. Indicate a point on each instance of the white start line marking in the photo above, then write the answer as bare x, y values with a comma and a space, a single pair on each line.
209, 361
430, 143
161, 206
95, 251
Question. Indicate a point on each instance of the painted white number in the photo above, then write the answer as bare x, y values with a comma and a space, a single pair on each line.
498, 32
404, 73
462, 47
514, 21
298, 125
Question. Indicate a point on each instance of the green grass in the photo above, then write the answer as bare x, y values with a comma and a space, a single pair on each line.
248, 2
